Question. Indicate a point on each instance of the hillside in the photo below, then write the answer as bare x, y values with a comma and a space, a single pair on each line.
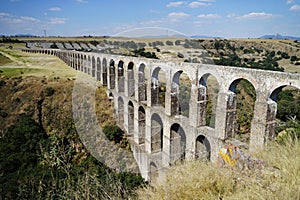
42, 156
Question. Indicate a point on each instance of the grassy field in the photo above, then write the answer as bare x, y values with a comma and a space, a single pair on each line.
27, 64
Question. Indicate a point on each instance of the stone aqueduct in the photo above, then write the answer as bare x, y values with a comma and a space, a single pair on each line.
161, 134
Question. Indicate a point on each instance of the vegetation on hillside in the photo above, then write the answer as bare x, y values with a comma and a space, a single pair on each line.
276, 175
42, 156
4, 60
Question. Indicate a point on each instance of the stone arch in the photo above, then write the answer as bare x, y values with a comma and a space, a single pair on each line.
104, 72
85, 64
76, 61
202, 148
180, 94
98, 69
158, 87
156, 133
82, 63
89, 66
130, 79
93, 66
208, 89
283, 93
177, 143
72, 60
120, 112
142, 83
112, 104
112, 75
153, 172
142, 125
130, 118
241, 100
121, 78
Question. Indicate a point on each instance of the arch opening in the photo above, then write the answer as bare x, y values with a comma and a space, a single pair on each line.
158, 87
130, 118
203, 148
85, 63
240, 109
130, 78
207, 100
142, 83
121, 76
89, 66
98, 70
283, 113
112, 75
104, 72
180, 94
177, 143
82, 63
156, 133
142, 125
93, 67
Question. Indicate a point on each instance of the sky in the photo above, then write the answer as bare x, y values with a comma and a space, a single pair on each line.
219, 18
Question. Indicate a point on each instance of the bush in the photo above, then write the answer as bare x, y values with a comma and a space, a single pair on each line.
293, 58
169, 43
285, 55
3, 114
49, 91
113, 133
180, 55
2, 83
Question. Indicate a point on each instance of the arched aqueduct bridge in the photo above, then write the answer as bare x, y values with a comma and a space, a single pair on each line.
162, 134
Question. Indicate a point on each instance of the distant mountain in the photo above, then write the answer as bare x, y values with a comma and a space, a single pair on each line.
24, 35
279, 37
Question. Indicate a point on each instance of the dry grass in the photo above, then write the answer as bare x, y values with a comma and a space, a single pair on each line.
279, 178
40, 65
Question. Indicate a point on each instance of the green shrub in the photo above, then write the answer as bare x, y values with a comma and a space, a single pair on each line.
2, 83
3, 114
113, 133
49, 91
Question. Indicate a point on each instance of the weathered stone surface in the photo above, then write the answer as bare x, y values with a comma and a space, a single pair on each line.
156, 144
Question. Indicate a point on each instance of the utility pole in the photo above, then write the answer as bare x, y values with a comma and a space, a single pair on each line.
45, 33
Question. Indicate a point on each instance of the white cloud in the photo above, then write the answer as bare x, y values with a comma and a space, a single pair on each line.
29, 19
196, 4
257, 15
177, 16
209, 16
290, 1
175, 4
55, 9
58, 20
9, 18
295, 8
4, 14
82, 1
